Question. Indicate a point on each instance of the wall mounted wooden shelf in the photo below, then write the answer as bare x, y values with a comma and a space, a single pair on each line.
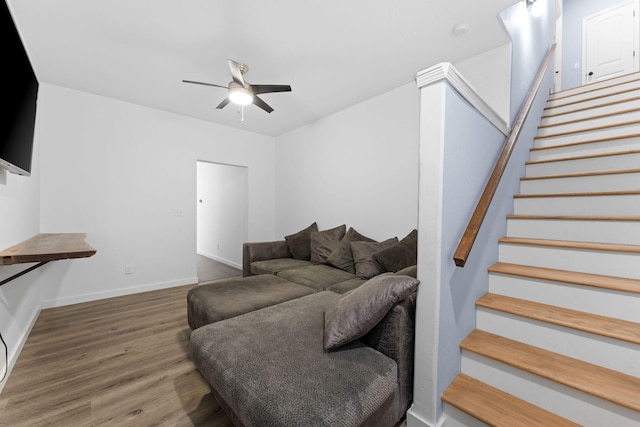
44, 248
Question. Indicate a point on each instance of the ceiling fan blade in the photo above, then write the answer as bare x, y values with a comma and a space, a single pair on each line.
223, 103
204, 84
258, 89
236, 74
260, 103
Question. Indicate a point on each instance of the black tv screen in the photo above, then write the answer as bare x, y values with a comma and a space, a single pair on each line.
19, 101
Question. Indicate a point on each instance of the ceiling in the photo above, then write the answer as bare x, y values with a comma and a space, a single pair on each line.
334, 54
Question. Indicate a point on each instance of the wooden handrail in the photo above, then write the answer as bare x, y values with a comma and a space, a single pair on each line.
471, 232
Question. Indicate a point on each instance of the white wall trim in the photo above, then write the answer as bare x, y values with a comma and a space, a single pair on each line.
13, 357
222, 260
445, 71
59, 302
414, 420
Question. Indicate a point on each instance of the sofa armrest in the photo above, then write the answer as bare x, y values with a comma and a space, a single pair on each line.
261, 251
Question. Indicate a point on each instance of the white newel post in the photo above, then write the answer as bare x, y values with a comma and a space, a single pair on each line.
425, 410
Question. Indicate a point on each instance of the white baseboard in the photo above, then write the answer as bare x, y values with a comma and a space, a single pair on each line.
222, 260
59, 302
415, 420
13, 357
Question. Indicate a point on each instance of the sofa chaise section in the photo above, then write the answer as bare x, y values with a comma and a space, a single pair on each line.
270, 368
230, 297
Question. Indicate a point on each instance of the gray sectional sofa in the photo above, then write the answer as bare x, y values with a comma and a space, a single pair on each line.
319, 331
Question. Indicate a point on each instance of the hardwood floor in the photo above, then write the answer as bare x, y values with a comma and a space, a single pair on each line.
209, 269
118, 361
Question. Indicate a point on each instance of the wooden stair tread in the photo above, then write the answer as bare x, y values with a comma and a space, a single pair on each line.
579, 110
586, 194
581, 174
588, 156
591, 141
584, 119
592, 98
604, 383
590, 87
497, 408
564, 276
586, 130
576, 217
593, 323
570, 244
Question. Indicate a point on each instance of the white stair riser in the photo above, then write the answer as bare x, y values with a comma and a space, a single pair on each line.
601, 231
596, 85
601, 147
564, 401
612, 120
621, 264
587, 135
590, 164
590, 94
568, 106
457, 418
583, 114
602, 351
610, 303
609, 205
580, 184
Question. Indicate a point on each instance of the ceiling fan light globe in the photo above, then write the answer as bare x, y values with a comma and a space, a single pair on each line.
240, 96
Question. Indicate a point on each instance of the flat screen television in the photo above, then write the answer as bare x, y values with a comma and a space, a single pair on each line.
17, 123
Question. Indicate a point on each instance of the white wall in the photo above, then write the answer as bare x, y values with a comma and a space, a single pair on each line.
222, 211
490, 74
357, 167
119, 172
19, 220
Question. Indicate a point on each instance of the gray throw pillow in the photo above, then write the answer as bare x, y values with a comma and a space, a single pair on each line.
358, 311
300, 242
324, 242
366, 265
341, 257
401, 255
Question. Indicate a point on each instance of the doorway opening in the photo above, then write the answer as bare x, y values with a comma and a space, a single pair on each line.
221, 218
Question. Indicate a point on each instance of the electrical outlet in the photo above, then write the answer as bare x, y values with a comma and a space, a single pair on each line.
178, 212
128, 269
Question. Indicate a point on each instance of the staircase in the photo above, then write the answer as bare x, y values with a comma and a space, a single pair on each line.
558, 334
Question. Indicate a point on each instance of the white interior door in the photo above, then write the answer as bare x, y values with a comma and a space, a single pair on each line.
610, 42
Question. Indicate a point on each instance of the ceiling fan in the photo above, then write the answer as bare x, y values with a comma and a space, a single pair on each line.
242, 92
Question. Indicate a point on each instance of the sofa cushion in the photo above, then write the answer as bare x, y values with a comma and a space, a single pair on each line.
273, 371
274, 266
341, 257
412, 271
318, 277
224, 298
300, 243
358, 311
346, 286
366, 265
324, 242
402, 254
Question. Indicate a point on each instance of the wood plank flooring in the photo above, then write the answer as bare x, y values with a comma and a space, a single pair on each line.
119, 362
209, 269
